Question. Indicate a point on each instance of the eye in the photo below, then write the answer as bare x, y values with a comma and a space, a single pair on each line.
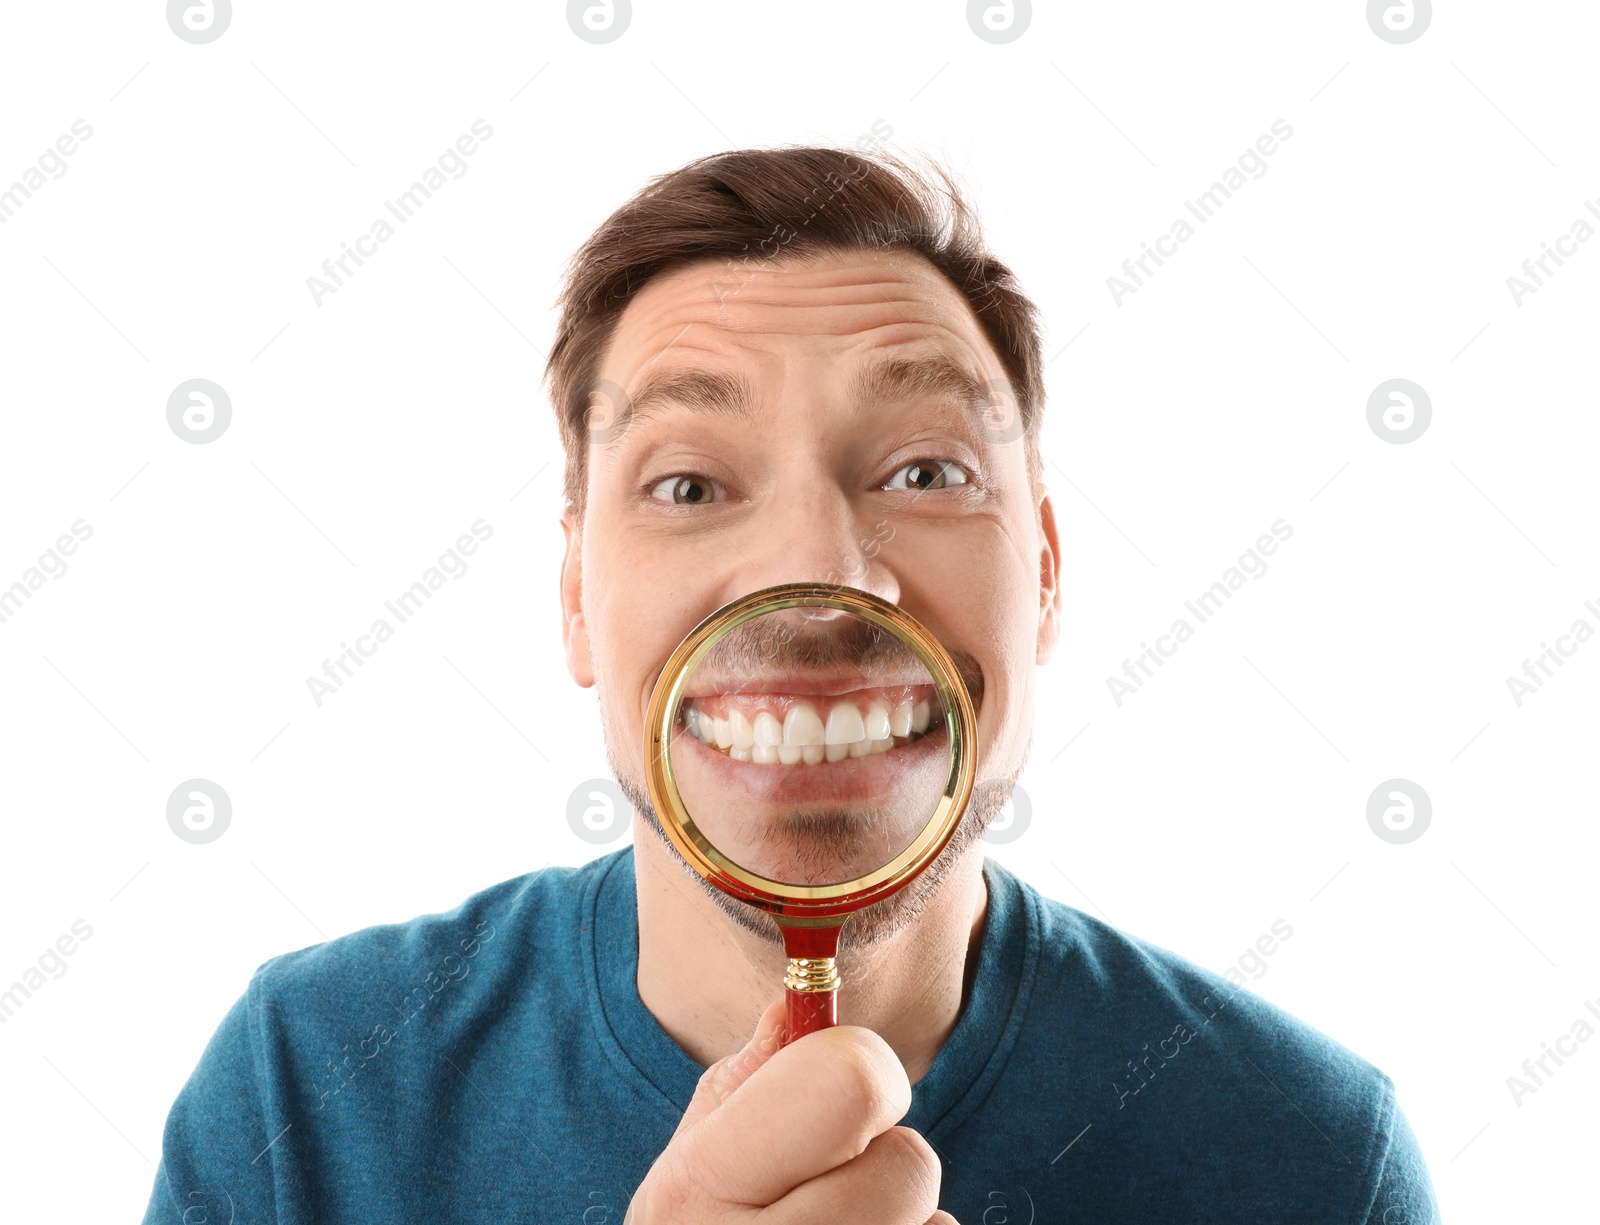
929, 474
684, 489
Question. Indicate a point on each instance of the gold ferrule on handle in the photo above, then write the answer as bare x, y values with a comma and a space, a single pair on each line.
812, 974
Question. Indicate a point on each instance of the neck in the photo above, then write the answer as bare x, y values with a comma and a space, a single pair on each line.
908, 988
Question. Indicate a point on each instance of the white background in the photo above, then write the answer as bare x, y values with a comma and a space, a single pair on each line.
1229, 392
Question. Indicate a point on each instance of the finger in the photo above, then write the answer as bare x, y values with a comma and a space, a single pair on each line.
813, 1105
726, 1075
942, 1218
894, 1182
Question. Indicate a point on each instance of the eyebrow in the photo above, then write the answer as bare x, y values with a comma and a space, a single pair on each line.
918, 378
718, 393
694, 388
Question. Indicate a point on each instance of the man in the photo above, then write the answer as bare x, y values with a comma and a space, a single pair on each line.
776, 366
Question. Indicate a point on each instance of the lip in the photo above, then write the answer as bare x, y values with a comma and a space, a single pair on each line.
810, 684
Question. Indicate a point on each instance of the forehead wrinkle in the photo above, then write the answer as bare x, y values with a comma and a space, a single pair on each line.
772, 305
826, 282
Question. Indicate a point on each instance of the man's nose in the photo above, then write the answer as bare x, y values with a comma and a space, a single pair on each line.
823, 540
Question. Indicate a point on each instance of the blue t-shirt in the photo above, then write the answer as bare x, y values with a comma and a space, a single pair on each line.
497, 1064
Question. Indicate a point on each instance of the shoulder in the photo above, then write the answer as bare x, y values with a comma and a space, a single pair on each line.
1161, 1043
482, 943
1114, 974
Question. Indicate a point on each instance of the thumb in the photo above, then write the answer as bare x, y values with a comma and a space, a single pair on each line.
718, 1082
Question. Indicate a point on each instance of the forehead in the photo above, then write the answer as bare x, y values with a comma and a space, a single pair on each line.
829, 305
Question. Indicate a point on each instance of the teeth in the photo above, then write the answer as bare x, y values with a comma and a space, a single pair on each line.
803, 726
877, 721
845, 725
769, 731
804, 735
900, 721
701, 726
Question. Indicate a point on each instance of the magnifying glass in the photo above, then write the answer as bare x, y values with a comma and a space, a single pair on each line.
810, 750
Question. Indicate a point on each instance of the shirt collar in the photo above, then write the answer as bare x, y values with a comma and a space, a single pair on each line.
962, 1073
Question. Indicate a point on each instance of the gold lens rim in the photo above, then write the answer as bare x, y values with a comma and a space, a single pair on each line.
813, 901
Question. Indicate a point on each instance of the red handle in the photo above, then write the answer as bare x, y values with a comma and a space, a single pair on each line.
811, 952
810, 1011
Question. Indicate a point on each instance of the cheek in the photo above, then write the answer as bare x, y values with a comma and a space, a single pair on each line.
976, 594
993, 595
1008, 702
636, 606
1020, 604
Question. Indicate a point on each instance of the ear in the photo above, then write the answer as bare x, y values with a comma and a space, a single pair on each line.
1049, 581
574, 631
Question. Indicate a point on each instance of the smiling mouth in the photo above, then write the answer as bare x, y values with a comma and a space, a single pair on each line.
793, 730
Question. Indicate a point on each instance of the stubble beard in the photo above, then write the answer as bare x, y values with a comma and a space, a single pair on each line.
869, 926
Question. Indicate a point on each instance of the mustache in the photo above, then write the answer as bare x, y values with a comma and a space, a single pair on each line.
777, 642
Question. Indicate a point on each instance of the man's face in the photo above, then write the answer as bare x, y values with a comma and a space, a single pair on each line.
818, 421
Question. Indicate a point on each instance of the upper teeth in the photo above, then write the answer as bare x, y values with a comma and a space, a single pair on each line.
804, 735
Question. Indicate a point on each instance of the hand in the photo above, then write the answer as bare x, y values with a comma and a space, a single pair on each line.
796, 1136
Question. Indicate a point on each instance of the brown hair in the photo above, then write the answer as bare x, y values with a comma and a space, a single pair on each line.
751, 205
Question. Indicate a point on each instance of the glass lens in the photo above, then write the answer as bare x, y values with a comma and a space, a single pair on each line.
811, 746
